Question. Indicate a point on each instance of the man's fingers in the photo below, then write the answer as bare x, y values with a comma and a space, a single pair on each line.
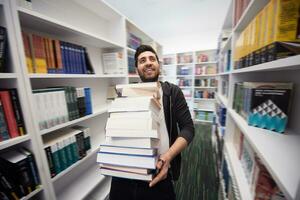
162, 175
159, 164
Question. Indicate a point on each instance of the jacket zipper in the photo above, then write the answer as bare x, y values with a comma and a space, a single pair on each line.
170, 139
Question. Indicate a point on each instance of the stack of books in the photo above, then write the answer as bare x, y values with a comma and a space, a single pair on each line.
132, 133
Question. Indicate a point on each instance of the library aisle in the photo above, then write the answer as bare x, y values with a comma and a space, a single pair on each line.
60, 62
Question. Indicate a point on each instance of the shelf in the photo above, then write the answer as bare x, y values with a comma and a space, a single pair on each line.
223, 73
70, 168
186, 87
48, 76
169, 65
249, 13
199, 87
189, 76
131, 50
205, 75
206, 63
203, 109
203, 121
32, 194
64, 125
278, 152
8, 75
204, 99
237, 172
84, 183
185, 64
290, 63
222, 99
37, 21
11, 142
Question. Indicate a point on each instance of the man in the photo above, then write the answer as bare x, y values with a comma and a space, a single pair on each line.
175, 114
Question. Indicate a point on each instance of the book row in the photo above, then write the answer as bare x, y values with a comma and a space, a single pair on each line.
18, 174
204, 115
66, 147
224, 64
204, 94
188, 57
261, 183
61, 104
133, 41
113, 63
131, 64
264, 105
47, 55
221, 112
11, 116
206, 82
205, 70
271, 35
3, 49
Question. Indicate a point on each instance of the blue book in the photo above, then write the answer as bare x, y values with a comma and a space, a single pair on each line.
63, 58
88, 101
83, 60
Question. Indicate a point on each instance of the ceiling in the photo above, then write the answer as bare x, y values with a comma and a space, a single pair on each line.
169, 21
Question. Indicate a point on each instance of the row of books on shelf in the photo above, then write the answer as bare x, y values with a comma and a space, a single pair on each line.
205, 70
264, 104
206, 82
132, 133
131, 64
18, 173
65, 147
224, 64
133, 41
3, 49
224, 87
188, 57
185, 58
184, 82
204, 115
47, 55
184, 70
204, 94
271, 35
11, 116
58, 105
261, 183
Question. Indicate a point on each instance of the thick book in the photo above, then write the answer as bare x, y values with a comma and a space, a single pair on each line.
9, 114
135, 142
135, 104
8, 188
128, 175
134, 115
39, 55
139, 89
132, 133
127, 169
104, 148
148, 162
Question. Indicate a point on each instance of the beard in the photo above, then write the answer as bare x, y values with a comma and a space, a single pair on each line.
150, 79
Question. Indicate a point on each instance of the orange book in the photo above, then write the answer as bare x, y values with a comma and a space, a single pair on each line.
28, 53
39, 54
57, 56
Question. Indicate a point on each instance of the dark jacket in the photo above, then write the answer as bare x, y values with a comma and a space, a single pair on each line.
178, 120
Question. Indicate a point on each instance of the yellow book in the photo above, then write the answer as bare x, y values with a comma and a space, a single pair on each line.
262, 41
270, 9
257, 31
286, 20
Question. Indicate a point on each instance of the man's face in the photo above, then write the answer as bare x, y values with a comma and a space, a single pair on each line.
148, 67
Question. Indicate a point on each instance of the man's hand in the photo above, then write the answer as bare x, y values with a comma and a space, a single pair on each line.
162, 165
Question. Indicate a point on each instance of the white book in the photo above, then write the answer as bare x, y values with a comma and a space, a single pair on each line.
139, 114
126, 169
134, 124
132, 133
128, 175
139, 89
132, 142
135, 104
148, 162
127, 150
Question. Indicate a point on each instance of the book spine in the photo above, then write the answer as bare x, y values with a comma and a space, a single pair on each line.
9, 188
18, 111
62, 155
28, 50
75, 103
50, 161
9, 114
4, 135
33, 169
88, 101
74, 147
56, 160
3, 49
80, 145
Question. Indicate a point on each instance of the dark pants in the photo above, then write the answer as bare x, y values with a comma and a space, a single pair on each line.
126, 189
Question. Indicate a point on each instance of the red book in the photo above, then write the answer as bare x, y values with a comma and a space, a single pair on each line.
57, 55
9, 114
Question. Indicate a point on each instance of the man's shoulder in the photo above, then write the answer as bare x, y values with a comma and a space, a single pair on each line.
169, 88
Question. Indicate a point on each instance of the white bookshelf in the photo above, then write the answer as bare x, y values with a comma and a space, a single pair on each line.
105, 32
278, 152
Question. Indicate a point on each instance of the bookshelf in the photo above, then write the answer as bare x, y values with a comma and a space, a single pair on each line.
266, 144
193, 72
106, 31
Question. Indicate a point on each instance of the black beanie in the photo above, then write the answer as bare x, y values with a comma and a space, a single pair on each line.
142, 49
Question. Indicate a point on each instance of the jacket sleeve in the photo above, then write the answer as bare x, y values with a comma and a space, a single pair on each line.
183, 117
